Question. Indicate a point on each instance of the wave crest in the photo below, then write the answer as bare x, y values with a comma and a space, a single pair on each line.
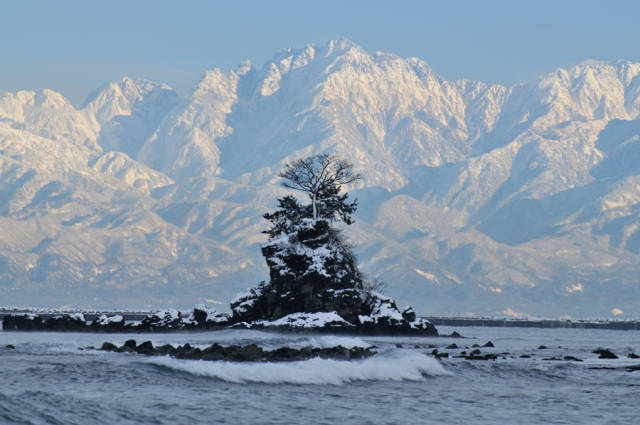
395, 366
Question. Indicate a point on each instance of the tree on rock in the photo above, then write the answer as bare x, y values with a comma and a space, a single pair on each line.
322, 177
311, 267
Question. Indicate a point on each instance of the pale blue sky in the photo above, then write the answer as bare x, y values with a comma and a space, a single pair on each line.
75, 46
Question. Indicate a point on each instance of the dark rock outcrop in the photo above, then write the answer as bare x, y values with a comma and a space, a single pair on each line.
107, 346
241, 353
477, 355
22, 322
145, 348
604, 353
313, 272
200, 318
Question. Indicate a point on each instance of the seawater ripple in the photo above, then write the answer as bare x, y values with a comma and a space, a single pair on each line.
47, 379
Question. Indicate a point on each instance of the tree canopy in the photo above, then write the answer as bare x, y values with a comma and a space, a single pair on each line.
321, 177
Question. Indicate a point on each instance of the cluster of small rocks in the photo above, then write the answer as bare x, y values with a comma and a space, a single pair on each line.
476, 354
240, 353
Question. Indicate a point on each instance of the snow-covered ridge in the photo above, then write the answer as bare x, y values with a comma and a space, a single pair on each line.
512, 194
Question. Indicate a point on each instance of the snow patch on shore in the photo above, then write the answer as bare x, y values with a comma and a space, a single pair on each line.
306, 320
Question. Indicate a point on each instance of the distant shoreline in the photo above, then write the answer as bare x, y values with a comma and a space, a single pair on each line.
626, 325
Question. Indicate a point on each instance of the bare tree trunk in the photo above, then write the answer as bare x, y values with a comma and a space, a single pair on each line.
313, 206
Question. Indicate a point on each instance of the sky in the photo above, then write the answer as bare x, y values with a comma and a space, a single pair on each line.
76, 46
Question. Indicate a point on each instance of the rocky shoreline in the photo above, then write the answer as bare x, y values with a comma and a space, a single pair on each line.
202, 318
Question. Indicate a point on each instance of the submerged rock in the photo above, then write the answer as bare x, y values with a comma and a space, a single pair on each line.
477, 355
107, 346
572, 359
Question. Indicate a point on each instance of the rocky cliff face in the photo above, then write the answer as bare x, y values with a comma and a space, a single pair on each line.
476, 198
310, 270
314, 277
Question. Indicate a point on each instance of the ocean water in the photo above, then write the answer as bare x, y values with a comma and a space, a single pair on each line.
48, 379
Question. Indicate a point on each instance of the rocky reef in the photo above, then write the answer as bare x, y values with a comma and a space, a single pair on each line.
201, 318
240, 353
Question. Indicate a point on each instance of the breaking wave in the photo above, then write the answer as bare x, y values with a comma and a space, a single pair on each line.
328, 341
399, 365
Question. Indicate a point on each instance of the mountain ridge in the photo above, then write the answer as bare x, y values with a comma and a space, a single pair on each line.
476, 198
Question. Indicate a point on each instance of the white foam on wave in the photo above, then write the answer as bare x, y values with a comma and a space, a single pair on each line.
328, 341
399, 365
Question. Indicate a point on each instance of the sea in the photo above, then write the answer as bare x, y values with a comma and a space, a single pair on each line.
58, 378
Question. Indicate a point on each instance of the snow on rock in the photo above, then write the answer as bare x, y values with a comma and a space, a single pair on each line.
76, 316
170, 318
383, 308
105, 320
243, 302
205, 316
420, 323
305, 321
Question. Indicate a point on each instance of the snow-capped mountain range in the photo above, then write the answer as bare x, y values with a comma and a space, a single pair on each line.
476, 198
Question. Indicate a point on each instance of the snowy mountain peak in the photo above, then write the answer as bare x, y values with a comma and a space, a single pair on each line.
49, 114
122, 98
478, 196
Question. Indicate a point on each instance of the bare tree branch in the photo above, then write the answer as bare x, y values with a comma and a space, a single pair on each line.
319, 174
